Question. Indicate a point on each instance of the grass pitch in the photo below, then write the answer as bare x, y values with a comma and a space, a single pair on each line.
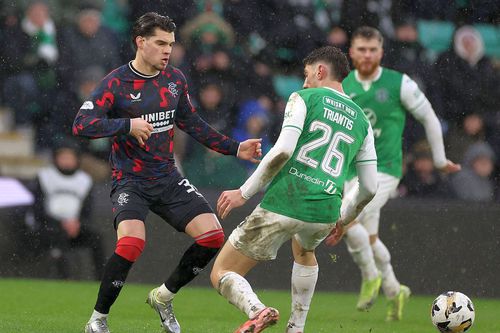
63, 306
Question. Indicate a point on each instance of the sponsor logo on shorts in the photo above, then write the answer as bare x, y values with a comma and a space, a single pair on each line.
197, 270
117, 283
123, 199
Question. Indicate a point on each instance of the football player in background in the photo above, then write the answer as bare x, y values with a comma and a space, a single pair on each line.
323, 133
385, 96
137, 104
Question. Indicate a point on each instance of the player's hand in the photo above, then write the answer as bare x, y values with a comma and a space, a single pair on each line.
71, 227
140, 129
229, 200
250, 150
336, 234
450, 167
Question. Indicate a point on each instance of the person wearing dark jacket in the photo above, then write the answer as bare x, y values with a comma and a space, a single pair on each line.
63, 207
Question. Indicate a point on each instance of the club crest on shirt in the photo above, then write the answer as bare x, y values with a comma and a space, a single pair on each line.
123, 198
172, 87
382, 95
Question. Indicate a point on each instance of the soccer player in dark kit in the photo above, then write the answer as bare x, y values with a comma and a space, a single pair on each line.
137, 104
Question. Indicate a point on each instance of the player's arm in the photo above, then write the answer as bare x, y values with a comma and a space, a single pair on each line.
366, 167
419, 106
274, 160
93, 120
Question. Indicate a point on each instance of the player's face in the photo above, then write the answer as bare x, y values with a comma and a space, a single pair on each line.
311, 76
156, 49
366, 55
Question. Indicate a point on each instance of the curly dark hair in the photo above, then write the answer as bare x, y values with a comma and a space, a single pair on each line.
334, 57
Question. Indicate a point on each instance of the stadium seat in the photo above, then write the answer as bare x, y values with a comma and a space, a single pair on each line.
491, 37
435, 35
285, 85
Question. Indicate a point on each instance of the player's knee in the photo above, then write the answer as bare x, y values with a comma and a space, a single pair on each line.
130, 248
373, 239
212, 239
214, 278
380, 252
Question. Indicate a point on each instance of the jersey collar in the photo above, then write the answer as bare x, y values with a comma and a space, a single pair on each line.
366, 84
337, 92
136, 72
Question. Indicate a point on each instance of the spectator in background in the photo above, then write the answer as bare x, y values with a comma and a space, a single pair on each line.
422, 180
474, 182
338, 37
68, 101
213, 108
461, 137
406, 54
28, 63
253, 122
466, 79
63, 207
85, 45
184, 10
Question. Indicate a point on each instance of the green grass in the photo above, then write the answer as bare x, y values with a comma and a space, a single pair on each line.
62, 306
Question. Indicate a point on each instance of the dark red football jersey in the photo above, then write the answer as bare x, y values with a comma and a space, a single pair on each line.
162, 100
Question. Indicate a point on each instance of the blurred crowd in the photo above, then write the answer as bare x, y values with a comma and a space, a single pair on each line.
243, 59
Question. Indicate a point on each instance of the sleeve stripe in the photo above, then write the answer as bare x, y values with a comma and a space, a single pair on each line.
297, 128
366, 161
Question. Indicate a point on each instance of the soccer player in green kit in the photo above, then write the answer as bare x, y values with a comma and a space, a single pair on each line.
385, 96
323, 133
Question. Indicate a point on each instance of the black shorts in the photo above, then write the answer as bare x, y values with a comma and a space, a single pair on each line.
172, 197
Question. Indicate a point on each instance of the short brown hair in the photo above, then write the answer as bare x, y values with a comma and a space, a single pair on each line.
367, 33
147, 23
333, 56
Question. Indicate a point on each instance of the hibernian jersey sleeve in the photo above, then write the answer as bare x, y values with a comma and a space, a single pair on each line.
94, 119
367, 153
295, 113
414, 100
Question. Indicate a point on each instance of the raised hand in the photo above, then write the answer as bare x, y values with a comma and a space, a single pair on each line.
250, 150
450, 167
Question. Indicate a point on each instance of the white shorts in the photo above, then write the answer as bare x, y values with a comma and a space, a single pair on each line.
370, 216
263, 232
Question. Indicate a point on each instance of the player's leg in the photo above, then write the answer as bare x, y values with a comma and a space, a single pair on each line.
396, 293
209, 237
183, 207
227, 278
358, 245
258, 238
304, 272
130, 210
131, 240
393, 290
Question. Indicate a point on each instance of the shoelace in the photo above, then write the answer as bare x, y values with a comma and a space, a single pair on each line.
170, 311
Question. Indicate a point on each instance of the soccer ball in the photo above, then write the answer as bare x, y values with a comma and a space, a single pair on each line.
452, 312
